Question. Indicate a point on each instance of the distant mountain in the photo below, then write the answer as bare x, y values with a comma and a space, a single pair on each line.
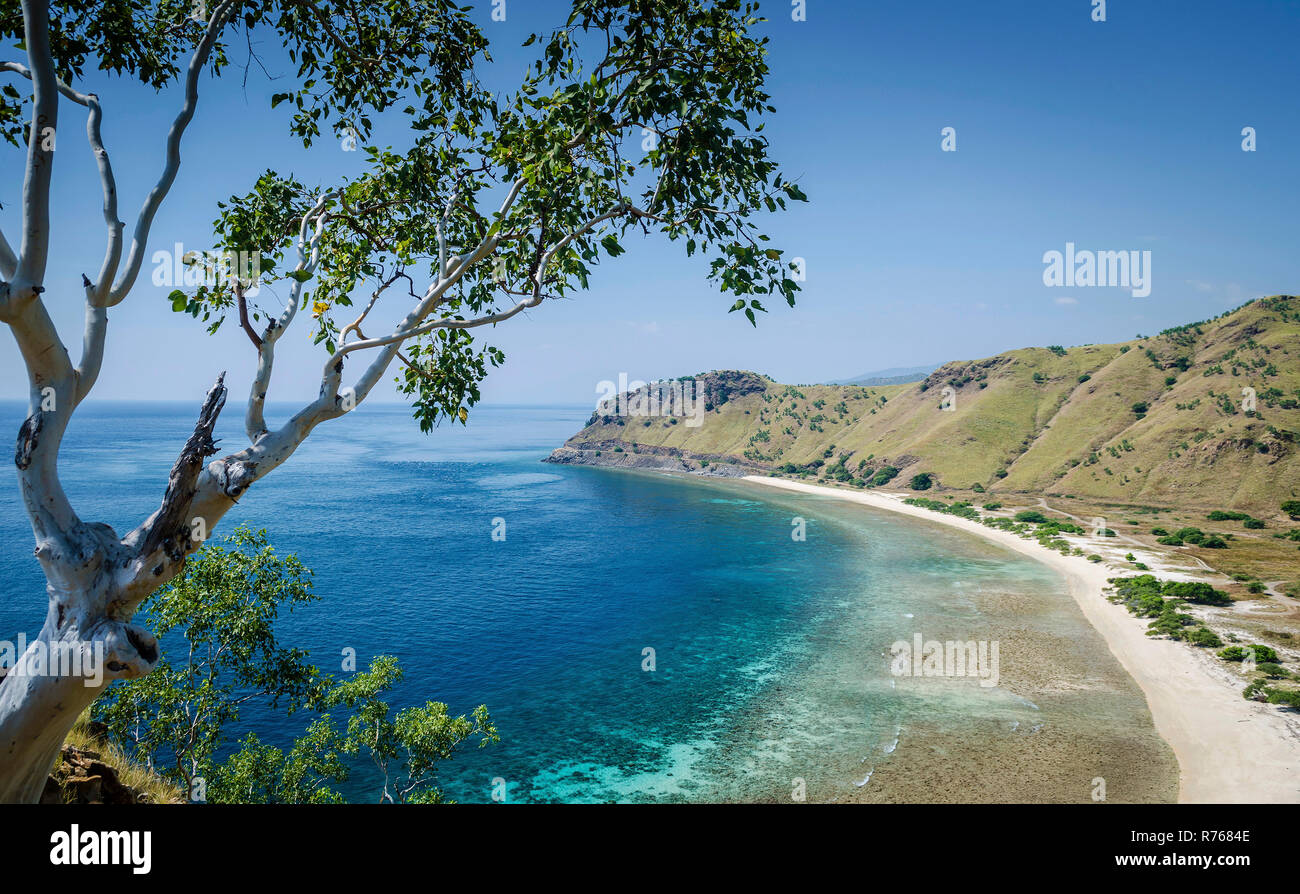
1164, 420
895, 375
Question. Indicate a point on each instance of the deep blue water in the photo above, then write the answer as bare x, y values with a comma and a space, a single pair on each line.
767, 650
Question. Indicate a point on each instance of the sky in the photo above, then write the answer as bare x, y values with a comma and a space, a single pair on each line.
1116, 135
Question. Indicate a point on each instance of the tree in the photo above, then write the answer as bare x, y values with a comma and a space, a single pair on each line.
176, 719
500, 201
1291, 508
224, 604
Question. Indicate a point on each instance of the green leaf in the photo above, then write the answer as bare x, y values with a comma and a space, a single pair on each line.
179, 300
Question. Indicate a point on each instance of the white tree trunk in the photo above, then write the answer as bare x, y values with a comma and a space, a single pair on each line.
84, 643
95, 581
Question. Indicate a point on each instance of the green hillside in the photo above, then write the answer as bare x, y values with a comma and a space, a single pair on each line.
1154, 421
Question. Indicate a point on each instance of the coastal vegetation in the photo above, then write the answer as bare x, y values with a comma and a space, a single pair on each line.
181, 724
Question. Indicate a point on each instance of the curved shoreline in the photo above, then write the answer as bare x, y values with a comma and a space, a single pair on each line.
1229, 750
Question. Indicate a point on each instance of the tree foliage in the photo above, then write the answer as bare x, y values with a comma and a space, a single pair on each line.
177, 720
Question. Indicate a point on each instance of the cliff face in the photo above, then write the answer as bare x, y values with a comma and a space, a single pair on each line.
617, 432
1206, 414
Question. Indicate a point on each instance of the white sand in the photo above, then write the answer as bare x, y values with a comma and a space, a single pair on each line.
1229, 750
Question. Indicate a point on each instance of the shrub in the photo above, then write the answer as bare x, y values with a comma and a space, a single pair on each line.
1197, 592
1140, 409
1288, 697
1292, 508
990, 507
921, 481
1031, 515
1253, 524
1220, 515
1159, 532
1214, 541
1263, 654
1204, 636
884, 476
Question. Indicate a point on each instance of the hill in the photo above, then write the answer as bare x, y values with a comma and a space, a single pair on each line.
1205, 415
892, 376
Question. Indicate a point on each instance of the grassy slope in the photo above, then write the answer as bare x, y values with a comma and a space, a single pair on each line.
1025, 412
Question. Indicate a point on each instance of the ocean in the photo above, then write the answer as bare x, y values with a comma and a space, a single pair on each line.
771, 676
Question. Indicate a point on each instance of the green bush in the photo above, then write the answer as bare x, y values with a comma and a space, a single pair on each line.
1204, 636
991, 507
1197, 592
1292, 508
1031, 515
1221, 515
921, 481
1263, 654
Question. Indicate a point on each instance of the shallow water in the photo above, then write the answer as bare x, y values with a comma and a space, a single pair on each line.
770, 655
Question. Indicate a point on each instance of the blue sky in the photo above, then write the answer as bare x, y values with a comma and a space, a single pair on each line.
1116, 135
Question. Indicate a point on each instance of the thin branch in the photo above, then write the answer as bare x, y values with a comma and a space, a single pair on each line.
34, 245
140, 236
8, 260
308, 258
243, 316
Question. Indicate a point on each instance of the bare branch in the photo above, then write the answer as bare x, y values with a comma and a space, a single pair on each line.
243, 316
8, 260
34, 243
308, 258
140, 236
113, 250
92, 344
168, 529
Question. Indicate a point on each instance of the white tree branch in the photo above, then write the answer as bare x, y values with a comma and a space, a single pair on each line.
140, 236
33, 253
8, 260
308, 259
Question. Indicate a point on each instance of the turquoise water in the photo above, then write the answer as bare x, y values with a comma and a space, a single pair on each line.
769, 653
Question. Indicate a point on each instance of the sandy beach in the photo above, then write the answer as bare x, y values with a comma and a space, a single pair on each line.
1229, 750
